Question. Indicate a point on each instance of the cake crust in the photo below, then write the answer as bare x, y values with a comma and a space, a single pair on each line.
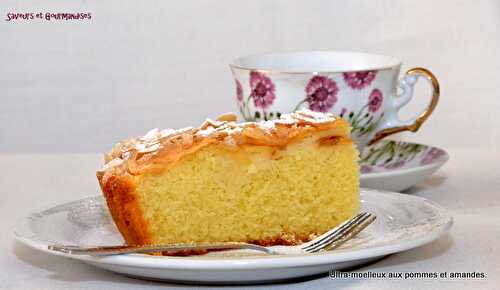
159, 150
124, 207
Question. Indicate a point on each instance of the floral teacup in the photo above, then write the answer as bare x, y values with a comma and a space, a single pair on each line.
362, 88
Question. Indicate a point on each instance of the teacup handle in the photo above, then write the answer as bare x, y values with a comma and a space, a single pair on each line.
407, 84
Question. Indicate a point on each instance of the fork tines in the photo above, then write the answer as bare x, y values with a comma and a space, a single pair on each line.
346, 229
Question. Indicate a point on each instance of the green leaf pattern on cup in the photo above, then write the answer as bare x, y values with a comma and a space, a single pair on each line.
362, 122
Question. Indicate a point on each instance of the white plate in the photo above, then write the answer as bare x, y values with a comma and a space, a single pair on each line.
403, 222
396, 166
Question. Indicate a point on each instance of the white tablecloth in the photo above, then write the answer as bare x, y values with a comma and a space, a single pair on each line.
468, 185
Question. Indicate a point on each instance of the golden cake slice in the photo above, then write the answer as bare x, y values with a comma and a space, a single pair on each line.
276, 182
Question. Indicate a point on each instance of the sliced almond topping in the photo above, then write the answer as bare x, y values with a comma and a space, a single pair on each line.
227, 117
167, 146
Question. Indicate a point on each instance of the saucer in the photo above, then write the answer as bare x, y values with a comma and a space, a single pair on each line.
397, 165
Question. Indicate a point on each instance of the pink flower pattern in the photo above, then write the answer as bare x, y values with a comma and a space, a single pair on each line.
262, 90
392, 155
239, 91
375, 100
359, 80
366, 169
396, 164
431, 156
321, 93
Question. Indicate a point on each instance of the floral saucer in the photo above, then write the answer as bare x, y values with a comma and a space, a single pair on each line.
396, 165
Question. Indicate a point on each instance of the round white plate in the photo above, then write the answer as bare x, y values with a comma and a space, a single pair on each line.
403, 222
396, 165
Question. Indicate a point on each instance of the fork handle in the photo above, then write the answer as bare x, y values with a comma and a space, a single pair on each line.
129, 249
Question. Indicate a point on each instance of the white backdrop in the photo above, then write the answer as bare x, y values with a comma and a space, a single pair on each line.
81, 86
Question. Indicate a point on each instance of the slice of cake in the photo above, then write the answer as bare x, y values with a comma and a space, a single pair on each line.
276, 182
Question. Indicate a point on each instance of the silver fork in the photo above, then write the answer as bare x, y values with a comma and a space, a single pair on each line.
328, 241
